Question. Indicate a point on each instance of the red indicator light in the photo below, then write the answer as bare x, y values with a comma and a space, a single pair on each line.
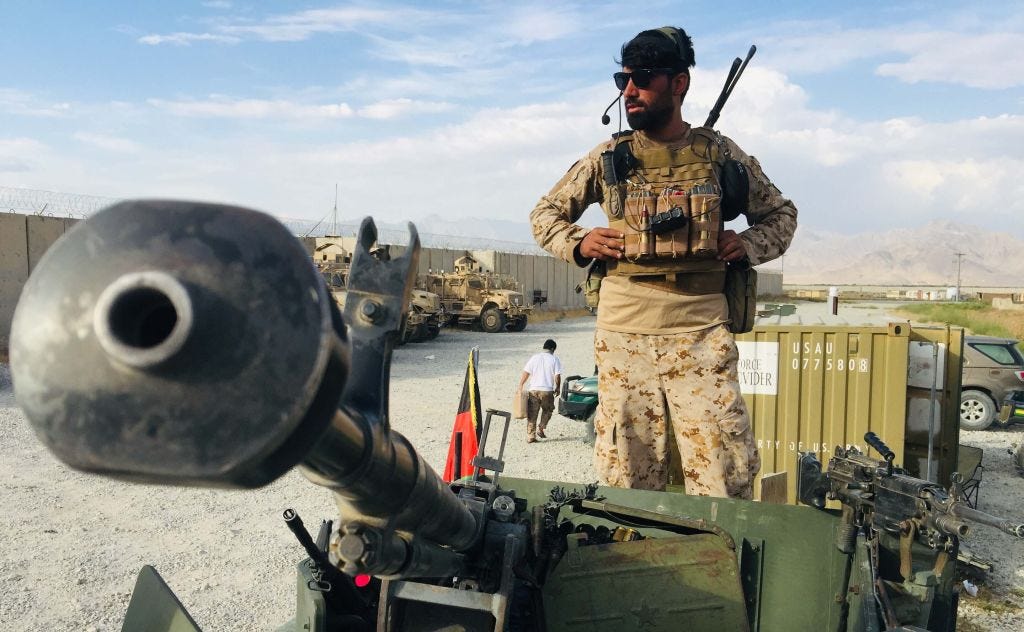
362, 581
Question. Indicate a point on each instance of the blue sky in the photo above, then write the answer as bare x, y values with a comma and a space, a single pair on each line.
867, 115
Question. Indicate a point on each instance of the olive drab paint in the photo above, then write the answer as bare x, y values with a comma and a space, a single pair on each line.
812, 388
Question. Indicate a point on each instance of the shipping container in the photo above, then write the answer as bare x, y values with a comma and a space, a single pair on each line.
812, 388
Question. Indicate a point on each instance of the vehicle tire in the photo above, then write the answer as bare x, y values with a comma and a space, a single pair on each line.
591, 431
517, 325
433, 331
492, 320
977, 410
420, 333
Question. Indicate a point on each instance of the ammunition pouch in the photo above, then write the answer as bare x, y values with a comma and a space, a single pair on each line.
668, 205
592, 286
741, 296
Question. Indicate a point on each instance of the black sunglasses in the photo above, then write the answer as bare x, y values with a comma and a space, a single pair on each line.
641, 76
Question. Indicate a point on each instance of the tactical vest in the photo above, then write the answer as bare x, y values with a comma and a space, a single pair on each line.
668, 206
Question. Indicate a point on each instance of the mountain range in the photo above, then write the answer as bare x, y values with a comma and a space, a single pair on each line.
924, 255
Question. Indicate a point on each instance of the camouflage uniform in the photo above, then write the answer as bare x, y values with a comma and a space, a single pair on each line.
654, 386
665, 357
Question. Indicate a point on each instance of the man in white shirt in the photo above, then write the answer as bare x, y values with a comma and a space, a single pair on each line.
544, 372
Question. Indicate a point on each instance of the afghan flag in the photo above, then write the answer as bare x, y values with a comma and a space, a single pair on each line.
466, 433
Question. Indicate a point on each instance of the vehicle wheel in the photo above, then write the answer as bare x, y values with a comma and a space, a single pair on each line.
977, 410
492, 320
518, 324
591, 431
433, 331
420, 333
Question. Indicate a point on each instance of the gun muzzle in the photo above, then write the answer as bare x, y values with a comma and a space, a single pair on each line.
195, 344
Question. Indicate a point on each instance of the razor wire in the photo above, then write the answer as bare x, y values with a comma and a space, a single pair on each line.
51, 203
78, 205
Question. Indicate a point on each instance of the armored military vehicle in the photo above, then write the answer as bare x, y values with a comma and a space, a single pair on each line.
425, 314
141, 377
472, 296
423, 320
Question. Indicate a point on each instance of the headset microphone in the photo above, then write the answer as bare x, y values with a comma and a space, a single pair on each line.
605, 119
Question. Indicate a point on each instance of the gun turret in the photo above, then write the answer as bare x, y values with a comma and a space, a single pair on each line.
194, 344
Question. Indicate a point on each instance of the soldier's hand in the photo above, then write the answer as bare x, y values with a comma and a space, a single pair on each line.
730, 246
603, 243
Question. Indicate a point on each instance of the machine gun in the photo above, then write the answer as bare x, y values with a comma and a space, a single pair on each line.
904, 530
192, 344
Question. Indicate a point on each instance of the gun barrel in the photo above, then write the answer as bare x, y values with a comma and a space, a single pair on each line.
193, 344
950, 525
962, 511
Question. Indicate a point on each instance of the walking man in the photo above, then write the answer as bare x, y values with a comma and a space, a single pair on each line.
544, 372
666, 358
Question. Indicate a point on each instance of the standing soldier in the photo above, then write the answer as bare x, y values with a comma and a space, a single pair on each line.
666, 358
544, 372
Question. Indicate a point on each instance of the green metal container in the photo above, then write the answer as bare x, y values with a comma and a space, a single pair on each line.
812, 388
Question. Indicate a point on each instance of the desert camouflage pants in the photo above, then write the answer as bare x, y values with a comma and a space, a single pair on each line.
655, 386
542, 402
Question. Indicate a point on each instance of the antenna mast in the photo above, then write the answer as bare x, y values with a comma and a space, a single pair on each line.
334, 213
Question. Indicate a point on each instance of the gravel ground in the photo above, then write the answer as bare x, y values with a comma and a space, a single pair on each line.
74, 543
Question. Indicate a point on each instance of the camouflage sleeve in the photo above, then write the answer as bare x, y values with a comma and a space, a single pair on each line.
771, 217
553, 219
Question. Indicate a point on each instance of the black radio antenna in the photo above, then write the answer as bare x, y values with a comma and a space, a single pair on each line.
730, 82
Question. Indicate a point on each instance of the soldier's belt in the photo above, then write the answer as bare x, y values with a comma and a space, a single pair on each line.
690, 283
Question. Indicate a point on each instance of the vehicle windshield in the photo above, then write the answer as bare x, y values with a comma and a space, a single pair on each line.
1002, 354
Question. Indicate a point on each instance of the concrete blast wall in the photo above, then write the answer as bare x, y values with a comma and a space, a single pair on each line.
23, 240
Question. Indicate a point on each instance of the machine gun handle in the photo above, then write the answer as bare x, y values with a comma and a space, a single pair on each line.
875, 442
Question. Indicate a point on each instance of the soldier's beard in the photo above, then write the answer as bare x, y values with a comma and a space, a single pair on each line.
654, 116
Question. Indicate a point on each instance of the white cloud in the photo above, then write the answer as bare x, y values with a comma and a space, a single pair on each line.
20, 155
217, 4
224, 107
978, 55
420, 50
302, 25
186, 39
539, 23
990, 60
219, 106
394, 108
965, 186
817, 46
108, 143
22, 103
